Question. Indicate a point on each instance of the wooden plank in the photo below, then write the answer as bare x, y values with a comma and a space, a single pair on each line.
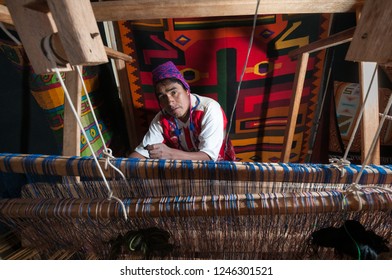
78, 31
5, 17
295, 101
372, 39
71, 130
156, 9
32, 27
333, 40
370, 117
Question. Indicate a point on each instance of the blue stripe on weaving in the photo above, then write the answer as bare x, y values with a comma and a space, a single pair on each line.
7, 160
250, 202
259, 170
161, 168
251, 171
187, 165
211, 168
382, 173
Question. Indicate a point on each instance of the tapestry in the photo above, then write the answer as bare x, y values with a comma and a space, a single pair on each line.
49, 95
211, 52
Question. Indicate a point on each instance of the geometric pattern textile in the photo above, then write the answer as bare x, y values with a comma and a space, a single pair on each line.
49, 95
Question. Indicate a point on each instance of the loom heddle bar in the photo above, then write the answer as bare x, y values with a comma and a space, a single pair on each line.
194, 170
215, 205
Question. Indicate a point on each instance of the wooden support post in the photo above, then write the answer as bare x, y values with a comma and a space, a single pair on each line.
294, 106
71, 130
368, 20
370, 117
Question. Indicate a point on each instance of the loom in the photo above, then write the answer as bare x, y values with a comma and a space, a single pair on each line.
235, 210
210, 210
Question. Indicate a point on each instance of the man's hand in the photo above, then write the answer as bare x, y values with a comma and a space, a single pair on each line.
159, 150
162, 151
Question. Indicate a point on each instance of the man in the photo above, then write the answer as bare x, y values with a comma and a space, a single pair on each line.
188, 126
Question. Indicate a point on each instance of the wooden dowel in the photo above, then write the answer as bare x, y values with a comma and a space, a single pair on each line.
209, 206
333, 40
233, 172
295, 102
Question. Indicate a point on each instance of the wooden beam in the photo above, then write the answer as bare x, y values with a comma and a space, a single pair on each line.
370, 117
156, 9
5, 17
32, 27
178, 172
295, 101
78, 31
372, 39
71, 129
333, 40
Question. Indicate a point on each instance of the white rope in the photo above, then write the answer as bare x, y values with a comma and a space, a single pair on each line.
356, 187
106, 151
50, 56
387, 117
375, 139
360, 115
341, 163
242, 74
12, 37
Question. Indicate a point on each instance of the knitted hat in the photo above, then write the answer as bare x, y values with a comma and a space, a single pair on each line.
167, 70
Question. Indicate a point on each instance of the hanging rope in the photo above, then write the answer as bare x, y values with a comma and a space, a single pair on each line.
51, 57
355, 187
341, 163
106, 151
12, 37
242, 74
317, 123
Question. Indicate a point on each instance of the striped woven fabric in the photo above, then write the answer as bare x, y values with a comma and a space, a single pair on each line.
218, 210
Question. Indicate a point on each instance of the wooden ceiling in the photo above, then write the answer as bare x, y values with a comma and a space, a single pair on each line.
156, 9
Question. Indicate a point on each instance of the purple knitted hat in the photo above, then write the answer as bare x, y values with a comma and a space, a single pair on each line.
167, 70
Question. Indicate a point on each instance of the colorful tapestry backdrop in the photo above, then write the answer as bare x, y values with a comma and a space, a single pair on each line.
47, 91
211, 52
49, 94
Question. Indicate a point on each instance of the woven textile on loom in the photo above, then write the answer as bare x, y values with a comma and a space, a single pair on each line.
211, 52
213, 210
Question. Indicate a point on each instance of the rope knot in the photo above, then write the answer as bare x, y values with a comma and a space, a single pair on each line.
340, 163
107, 154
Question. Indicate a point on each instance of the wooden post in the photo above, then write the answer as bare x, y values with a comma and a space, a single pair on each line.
71, 130
370, 48
294, 106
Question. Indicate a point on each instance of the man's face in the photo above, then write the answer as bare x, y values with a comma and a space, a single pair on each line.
174, 99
